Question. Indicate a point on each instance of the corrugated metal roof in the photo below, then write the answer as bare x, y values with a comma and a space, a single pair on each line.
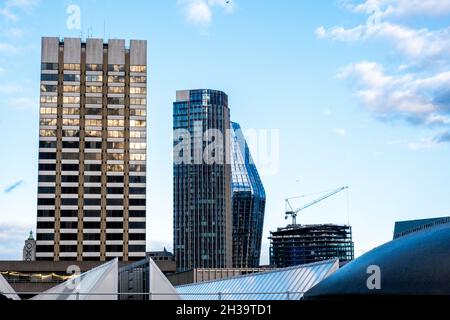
282, 284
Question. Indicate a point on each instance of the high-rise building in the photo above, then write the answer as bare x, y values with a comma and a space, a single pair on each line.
302, 244
202, 185
92, 150
248, 203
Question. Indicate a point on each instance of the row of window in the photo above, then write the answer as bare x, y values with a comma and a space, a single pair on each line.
91, 202
90, 237
49, 133
89, 78
90, 248
91, 190
89, 225
91, 213
91, 179
91, 167
93, 111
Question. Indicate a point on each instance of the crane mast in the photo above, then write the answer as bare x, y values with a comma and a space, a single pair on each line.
294, 213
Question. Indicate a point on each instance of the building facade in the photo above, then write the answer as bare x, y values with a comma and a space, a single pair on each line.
248, 203
404, 228
92, 150
303, 244
202, 185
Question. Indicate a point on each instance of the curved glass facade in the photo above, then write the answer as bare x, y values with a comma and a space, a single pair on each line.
248, 203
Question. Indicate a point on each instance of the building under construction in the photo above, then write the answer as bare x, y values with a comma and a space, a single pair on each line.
301, 244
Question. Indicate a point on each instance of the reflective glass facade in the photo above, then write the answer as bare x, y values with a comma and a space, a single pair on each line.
202, 191
248, 202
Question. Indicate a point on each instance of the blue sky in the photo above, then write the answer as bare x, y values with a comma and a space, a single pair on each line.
359, 92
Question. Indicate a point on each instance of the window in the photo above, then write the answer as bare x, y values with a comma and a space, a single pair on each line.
47, 178
138, 145
92, 167
45, 225
69, 190
71, 133
119, 101
137, 157
49, 99
116, 79
138, 134
138, 112
93, 123
47, 133
69, 213
72, 77
93, 156
115, 112
136, 248
115, 179
46, 202
138, 123
47, 156
92, 190
49, 66
48, 88
47, 166
136, 236
114, 236
71, 100
115, 134
94, 78
94, 89
114, 202
93, 111
138, 79
49, 77
137, 167
71, 111
115, 156
46, 110
94, 67
138, 68
93, 133
92, 202
115, 123
138, 101
69, 236
137, 225
114, 248
93, 179
92, 214
71, 145
70, 167
71, 89
45, 237
70, 156
93, 145
137, 179
115, 145
69, 179
72, 66
115, 167
48, 122
116, 67
69, 224
115, 190
137, 202
91, 237
71, 122
137, 190
46, 190
116, 89
136, 90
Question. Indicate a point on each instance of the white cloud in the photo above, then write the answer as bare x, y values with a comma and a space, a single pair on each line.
12, 5
340, 132
200, 12
23, 103
420, 100
8, 48
402, 8
425, 143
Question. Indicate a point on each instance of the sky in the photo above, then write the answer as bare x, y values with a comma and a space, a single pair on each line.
349, 93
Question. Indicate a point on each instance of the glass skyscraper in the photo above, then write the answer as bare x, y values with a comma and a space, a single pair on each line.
248, 203
202, 189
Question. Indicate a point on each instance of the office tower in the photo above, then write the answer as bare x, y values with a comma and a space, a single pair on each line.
202, 188
248, 203
92, 150
302, 244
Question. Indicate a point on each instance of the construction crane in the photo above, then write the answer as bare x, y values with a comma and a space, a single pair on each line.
293, 213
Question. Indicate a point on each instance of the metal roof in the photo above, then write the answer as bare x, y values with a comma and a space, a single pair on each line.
282, 284
413, 265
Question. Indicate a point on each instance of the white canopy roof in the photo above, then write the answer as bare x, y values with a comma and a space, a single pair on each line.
7, 290
100, 283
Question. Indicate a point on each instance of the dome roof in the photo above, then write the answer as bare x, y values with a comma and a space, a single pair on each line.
414, 265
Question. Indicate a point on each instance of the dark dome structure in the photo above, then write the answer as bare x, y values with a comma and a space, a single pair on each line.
411, 266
